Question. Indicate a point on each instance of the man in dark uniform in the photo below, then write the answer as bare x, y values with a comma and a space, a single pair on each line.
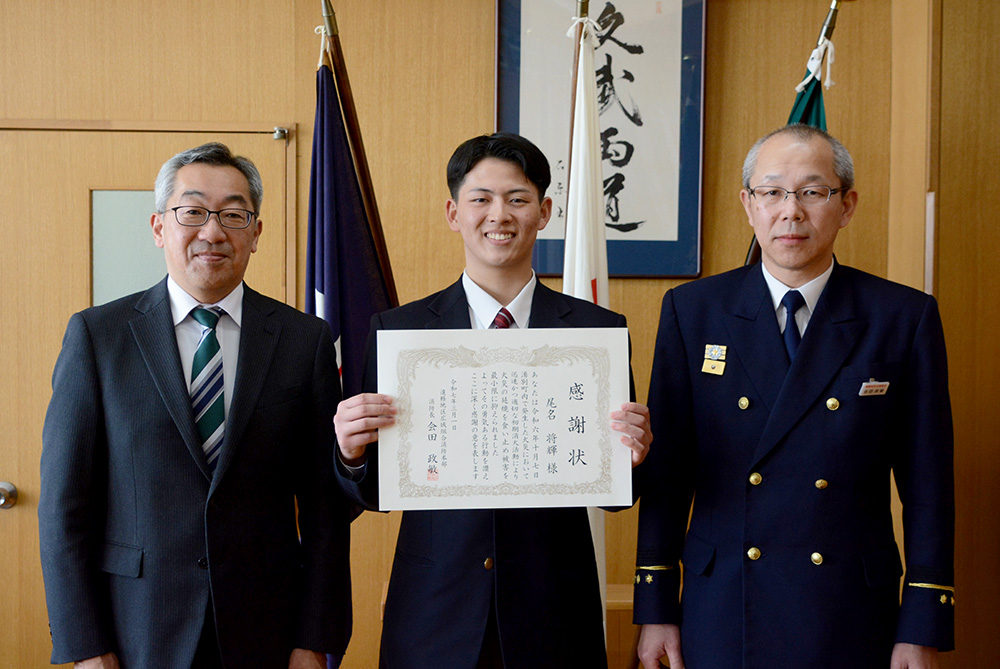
791, 389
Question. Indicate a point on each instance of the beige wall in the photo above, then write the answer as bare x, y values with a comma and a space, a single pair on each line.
968, 253
422, 74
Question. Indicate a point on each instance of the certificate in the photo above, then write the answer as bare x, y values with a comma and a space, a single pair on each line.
503, 418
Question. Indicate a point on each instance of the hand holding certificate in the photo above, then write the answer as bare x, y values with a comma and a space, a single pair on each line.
492, 419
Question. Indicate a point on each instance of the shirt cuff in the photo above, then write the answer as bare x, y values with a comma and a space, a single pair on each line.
352, 473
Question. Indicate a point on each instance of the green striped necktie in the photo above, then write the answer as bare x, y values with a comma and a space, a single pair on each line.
207, 386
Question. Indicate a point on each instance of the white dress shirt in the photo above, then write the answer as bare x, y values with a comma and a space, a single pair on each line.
483, 308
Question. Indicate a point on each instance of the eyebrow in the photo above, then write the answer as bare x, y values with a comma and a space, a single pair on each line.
492, 192
811, 179
236, 197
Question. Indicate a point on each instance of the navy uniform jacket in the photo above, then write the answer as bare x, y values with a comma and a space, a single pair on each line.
136, 535
537, 563
790, 559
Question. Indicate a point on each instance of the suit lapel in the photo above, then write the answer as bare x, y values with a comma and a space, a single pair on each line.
450, 310
756, 338
548, 308
153, 330
832, 334
259, 334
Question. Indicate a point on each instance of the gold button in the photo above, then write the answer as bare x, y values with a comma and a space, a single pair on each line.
637, 579
833, 404
756, 478
821, 483
953, 601
816, 558
649, 578
744, 403
488, 563
944, 599
753, 553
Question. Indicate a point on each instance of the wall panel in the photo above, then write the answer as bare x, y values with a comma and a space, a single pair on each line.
968, 249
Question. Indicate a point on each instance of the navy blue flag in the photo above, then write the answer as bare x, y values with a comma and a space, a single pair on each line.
344, 280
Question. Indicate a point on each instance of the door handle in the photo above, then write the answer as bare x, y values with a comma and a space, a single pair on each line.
8, 495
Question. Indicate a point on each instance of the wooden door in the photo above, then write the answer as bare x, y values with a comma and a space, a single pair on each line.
46, 179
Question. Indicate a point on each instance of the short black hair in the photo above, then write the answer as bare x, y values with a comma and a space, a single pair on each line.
502, 146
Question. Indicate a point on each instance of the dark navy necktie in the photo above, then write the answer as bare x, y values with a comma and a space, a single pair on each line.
792, 301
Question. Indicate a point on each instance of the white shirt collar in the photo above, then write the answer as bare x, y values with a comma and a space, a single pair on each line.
810, 291
484, 308
181, 302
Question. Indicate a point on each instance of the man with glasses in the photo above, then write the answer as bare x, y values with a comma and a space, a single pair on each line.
188, 511
791, 390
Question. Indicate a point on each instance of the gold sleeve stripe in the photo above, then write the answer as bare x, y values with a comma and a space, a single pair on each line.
931, 586
656, 568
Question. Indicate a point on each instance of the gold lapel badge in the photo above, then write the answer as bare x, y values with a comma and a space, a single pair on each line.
715, 359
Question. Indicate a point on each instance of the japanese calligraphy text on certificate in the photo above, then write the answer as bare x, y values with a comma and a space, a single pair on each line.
511, 418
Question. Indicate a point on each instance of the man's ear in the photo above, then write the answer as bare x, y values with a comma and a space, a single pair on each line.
747, 201
256, 235
850, 206
156, 223
546, 213
451, 214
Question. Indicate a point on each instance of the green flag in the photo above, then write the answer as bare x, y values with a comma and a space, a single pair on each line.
808, 107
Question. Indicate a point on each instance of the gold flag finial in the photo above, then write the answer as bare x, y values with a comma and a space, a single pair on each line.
329, 18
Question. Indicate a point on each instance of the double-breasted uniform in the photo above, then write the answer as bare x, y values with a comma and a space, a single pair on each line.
790, 559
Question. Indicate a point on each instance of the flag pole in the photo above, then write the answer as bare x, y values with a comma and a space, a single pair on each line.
357, 146
580, 236
582, 8
830, 23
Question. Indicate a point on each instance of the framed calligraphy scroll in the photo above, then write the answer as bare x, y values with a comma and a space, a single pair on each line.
650, 81
503, 418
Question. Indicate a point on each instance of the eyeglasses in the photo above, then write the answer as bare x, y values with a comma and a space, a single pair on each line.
771, 196
193, 217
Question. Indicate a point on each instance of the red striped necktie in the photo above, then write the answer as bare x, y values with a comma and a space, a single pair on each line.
503, 319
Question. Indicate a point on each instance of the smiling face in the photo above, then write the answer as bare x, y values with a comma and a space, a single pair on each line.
796, 241
207, 261
498, 213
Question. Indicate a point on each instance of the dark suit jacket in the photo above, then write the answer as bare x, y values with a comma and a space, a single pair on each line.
138, 540
542, 570
795, 464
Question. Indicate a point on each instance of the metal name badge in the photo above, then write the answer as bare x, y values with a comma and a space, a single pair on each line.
873, 387
715, 359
